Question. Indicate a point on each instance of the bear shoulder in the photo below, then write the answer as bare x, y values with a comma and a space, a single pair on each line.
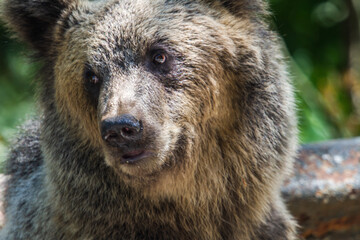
25, 154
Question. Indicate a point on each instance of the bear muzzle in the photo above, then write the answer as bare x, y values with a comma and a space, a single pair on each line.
124, 134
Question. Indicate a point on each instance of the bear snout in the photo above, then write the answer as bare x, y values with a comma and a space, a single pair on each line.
124, 136
121, 130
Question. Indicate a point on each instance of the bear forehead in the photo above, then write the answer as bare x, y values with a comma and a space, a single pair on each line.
146, 13
135, 25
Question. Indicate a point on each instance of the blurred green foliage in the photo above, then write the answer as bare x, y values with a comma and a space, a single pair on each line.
322, 39
16, 89
319, 37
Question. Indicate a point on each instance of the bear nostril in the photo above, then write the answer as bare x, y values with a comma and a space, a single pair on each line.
110, 136
120, 130
127, 132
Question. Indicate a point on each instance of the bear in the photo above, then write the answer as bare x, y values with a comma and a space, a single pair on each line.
158, 119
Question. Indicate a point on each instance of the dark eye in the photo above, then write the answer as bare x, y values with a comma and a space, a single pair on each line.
92, 84
159, 58
94, 80
160, 61
91, 77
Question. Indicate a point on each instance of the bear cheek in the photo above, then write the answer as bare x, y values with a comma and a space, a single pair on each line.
72, 101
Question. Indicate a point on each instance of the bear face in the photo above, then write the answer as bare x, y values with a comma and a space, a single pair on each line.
155, 87
185, 74
146, 59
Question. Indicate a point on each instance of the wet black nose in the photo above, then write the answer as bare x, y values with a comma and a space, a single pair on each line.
121, 130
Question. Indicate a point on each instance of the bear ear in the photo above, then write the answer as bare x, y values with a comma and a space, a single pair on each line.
33, 20
241, 7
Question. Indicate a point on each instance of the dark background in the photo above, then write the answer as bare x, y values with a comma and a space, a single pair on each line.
321, 40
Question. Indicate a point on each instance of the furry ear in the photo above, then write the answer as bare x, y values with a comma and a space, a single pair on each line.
33, 20
240, 7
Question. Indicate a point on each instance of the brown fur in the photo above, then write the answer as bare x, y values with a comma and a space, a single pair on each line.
220, 123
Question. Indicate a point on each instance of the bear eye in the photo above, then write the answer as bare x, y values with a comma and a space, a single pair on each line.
94, 80
159, 58
92, 84
91, 77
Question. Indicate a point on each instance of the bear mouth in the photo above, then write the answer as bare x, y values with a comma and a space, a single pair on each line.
135, 156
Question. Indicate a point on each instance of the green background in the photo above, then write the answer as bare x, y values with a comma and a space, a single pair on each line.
320, 39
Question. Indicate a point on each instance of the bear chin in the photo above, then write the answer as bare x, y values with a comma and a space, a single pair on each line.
145, 165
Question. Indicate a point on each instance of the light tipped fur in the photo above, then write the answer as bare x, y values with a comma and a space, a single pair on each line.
218, 122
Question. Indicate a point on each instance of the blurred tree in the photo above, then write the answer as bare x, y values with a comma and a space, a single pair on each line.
351, 73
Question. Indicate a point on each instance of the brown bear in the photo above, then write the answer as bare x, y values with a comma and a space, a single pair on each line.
159, 119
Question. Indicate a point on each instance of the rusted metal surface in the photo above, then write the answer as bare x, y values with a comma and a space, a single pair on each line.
324, 191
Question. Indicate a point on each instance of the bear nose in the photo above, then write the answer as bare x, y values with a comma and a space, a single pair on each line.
121, 129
